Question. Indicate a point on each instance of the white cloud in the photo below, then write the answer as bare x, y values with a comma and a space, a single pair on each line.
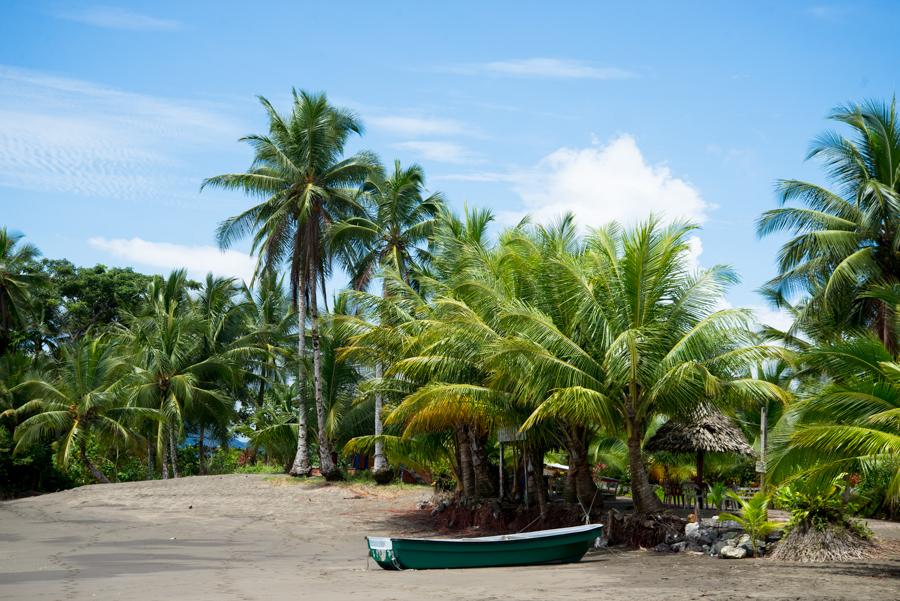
695, 249
551, 68
776, 318
72, 136
198, 260
827, 12
417, 126
445, 152
600, 184
111, 17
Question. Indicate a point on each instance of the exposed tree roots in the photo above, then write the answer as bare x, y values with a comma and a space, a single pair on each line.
645, 530
831, 544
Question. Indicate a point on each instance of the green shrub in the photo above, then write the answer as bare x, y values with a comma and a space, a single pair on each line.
754, 517
716, 495
873, 499
821, 510
224, 461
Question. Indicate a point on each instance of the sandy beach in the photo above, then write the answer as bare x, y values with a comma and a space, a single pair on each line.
269, 537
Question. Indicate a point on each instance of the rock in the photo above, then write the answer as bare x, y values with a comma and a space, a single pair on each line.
698, 533
673, 538
744, 543
678, 547
775, 536
716, 548
691, 529
728, 525
730, 552
694, 547
662, 548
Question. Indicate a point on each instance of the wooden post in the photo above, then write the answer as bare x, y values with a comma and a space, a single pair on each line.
501, 472
763, 443
699, 485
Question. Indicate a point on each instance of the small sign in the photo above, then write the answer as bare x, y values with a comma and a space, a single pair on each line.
760, 467
509, 434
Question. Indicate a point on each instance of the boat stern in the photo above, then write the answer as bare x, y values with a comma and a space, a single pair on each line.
381, 549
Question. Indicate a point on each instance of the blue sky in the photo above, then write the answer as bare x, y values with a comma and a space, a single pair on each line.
110, 116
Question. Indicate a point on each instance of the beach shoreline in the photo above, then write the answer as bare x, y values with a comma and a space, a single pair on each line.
272, 537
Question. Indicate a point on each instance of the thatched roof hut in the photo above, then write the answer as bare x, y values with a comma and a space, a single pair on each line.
704, 431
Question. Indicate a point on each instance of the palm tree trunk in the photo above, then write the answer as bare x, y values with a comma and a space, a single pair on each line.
884, 326
326, 464
585, 488
200, 450
173, 455
301, 459
162, 437
465, 463
150, 455
380, 464
93, 469
534, 478
644, 499
484, 480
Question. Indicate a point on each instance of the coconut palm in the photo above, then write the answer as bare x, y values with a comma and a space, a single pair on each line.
398, 221
846, 239
80, 403
15, 282
268, 325
637, 336
305, 185
222, 325
847, 424
171, 373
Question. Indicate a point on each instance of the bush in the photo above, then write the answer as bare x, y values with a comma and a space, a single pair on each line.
224, 461
821, 527
716, 495
29, 472
754, 518
822, 509
873, 499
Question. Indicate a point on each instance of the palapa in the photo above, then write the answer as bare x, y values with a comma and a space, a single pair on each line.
706, 430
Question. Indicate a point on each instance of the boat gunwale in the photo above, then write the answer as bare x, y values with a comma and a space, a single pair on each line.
500, 538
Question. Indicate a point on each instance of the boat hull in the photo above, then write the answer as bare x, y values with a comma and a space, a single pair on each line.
563, 545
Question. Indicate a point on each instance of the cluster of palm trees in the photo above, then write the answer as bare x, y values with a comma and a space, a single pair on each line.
543, 335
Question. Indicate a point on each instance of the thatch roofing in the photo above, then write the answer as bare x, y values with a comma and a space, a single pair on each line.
705, 430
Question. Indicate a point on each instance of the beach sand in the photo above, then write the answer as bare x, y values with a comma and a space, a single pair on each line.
270, 537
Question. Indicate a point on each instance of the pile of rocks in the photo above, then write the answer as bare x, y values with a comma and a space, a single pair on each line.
717, 538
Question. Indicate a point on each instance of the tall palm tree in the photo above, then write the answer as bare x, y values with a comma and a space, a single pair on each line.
397, 223
847, 239
635, 335
171, 375
305, 185
268, 326
222, 326
15, 282
79, 403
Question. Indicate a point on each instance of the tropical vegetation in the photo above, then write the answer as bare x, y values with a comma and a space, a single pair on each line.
466, 353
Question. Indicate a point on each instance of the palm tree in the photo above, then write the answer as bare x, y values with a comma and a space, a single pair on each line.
635, 335
171, 375
846, 240
79, 404
397, 223
846, 424
222, 326
15, 282
268, 326
305, 186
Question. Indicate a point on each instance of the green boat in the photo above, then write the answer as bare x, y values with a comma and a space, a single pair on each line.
559, 545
